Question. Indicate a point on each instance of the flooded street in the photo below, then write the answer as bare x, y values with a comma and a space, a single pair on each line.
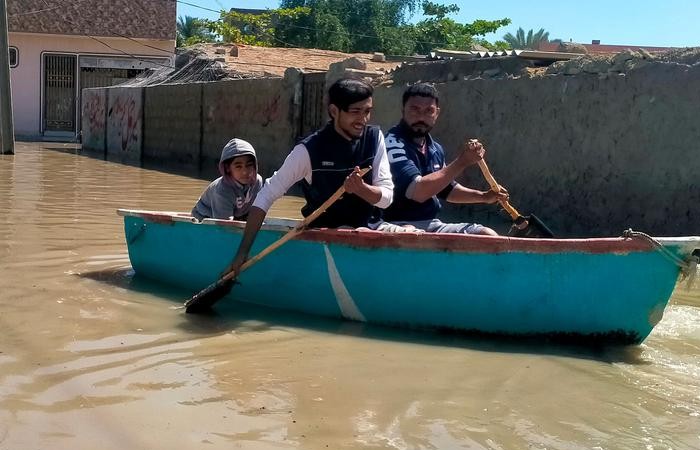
93, 357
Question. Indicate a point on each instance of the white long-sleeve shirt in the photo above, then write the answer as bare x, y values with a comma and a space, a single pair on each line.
297, 165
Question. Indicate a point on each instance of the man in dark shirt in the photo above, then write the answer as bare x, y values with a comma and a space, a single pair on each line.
421, 177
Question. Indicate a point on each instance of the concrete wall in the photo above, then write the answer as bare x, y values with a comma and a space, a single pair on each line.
186, 126
589, 154
264, 112
125, 124
94, 119
173, 118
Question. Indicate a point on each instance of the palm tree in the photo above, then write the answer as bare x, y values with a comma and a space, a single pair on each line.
191, 30
532, 41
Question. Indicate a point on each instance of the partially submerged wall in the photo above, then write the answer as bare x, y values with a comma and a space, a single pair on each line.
94, 119
186, 126
173, 118
264, 112
590, 154
593, 146
125, 124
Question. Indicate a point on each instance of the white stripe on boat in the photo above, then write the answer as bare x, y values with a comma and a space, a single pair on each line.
347, 305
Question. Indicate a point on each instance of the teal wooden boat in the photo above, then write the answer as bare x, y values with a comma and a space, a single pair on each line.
602, 289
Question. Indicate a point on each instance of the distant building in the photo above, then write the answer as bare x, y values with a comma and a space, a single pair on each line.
58, 47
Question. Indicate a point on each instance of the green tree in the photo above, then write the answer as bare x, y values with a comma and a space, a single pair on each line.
532, 41
348, 25
354, 26
254, 29
191, 30
439, 31
493, 46
437, 10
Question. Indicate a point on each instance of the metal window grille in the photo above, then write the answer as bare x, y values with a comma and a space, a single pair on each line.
59, 92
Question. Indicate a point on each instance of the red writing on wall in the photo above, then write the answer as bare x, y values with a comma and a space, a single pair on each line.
125, 117
95, 113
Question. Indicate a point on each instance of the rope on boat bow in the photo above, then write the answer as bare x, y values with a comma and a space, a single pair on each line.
689, 267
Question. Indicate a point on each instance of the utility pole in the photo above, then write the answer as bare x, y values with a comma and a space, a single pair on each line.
7, 131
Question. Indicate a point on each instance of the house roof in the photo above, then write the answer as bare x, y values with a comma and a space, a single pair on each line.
273, 61
605, 48
152, 19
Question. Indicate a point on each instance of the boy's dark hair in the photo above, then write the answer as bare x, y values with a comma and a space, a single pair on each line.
421, 90
242, 155
347, 91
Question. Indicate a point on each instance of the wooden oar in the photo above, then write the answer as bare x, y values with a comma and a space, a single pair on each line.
523, 226
204, 299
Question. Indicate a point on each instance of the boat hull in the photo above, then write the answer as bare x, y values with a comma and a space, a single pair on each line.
595, 289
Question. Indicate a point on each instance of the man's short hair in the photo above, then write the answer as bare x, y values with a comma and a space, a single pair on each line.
347, 91
421, 90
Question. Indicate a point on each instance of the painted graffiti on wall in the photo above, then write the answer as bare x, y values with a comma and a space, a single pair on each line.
124, 122
124, 112
94, 119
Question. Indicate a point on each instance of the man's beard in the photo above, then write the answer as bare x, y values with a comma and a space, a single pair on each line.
414, 133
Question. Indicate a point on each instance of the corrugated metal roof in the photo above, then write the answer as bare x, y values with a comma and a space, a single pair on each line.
525, 54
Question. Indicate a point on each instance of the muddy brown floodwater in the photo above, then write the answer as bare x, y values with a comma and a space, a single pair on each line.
93, 357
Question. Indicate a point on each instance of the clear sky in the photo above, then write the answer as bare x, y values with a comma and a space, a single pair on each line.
668, 23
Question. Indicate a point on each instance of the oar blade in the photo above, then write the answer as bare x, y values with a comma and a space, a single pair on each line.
205, 299
534, 228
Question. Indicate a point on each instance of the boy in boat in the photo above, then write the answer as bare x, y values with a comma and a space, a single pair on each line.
328, 159
421, 177
231, 195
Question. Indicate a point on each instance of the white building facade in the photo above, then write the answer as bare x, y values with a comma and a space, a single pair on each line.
58, 48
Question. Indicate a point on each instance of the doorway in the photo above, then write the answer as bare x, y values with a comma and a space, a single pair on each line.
59, 93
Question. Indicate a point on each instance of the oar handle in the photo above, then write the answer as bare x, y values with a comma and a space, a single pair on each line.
514, 214
298, 229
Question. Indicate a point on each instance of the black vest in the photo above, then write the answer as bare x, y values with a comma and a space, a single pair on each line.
332, 159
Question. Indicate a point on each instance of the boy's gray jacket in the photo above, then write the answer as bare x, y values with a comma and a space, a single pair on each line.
226, 197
